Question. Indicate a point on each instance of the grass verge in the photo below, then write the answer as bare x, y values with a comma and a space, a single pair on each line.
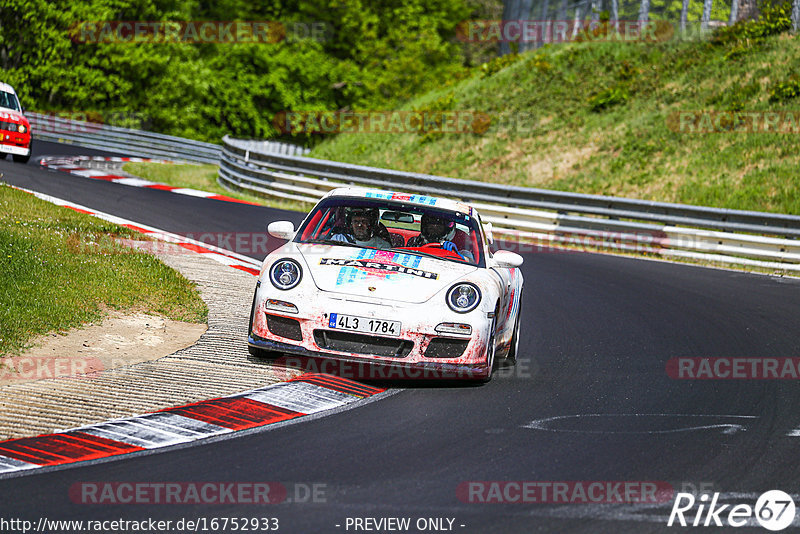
60, 269
204, 178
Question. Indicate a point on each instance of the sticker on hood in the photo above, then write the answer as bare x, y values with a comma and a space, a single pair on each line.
379, 263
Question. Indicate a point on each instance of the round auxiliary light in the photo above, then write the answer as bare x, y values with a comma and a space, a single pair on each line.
285, 274
463, 297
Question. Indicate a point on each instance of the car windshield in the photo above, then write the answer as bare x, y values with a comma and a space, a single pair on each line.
412, 228
9, 101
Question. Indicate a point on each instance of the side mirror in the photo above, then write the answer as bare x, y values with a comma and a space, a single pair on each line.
507, 259
281, 230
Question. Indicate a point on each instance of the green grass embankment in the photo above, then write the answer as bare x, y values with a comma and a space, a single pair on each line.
60, 269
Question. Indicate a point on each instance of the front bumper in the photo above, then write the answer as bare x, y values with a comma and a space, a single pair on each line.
16, 150
406, 356
358, 368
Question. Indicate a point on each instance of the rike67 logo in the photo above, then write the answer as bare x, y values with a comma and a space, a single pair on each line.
774, 510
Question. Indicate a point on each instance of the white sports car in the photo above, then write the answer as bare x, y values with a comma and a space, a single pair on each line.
398, 281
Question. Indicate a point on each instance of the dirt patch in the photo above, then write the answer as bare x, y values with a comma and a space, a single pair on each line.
119, 340
544, 168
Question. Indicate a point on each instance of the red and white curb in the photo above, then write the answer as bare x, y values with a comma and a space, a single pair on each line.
221, 255
73, 165
305, 395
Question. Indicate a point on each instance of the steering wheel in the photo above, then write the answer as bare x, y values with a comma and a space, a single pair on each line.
440, 246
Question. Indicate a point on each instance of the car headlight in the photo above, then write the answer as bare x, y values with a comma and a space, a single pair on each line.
285, 274
22, 128
463, 297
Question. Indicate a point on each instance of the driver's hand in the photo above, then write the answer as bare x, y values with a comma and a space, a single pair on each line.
450, 246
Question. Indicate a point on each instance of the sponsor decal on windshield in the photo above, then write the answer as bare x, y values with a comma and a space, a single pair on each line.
416, 199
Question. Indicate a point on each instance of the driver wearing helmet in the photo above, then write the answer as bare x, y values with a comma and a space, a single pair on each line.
435, 229
362, 229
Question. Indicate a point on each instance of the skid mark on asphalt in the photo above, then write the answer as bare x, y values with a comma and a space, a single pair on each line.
652, 512
654, 423
635, 512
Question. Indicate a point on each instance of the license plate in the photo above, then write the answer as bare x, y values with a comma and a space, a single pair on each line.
364, 324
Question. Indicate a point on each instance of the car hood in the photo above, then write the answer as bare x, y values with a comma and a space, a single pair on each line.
12, 116
380, 273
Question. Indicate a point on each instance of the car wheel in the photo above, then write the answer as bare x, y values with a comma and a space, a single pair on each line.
512, 352
21, 159
490, 349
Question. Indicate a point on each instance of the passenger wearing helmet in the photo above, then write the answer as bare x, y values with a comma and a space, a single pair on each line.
436, 230
363, 229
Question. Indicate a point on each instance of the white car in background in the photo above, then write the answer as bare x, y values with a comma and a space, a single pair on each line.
15, 130
420, 294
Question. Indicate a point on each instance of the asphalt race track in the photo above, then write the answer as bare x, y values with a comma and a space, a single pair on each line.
589, 400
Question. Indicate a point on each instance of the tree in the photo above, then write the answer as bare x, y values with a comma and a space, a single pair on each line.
746, 10
795, 14
707, 5
545, 17
734, 12
684, 14
562, 11
644, 11
578, 20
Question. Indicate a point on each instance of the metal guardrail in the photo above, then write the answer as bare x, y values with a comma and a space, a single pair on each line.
539, 215
272, 147
125, 141
138, 143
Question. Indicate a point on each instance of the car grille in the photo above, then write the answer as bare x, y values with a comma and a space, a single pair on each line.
441, 347
284, 327
391, 347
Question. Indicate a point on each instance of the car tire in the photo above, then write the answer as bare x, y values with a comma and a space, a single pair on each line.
491, 349
514, 350
24, 159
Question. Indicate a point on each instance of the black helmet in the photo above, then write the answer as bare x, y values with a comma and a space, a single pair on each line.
435, 228
371, 214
